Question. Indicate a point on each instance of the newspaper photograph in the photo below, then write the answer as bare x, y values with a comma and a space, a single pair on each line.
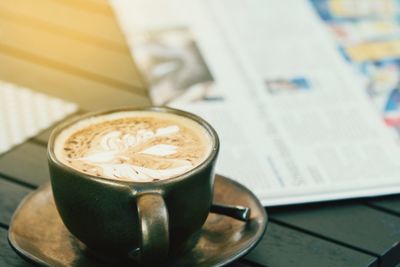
174, 67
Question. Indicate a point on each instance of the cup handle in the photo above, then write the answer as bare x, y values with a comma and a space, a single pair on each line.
154, 227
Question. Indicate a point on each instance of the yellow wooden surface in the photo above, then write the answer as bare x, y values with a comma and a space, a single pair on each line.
67, 17
71, 49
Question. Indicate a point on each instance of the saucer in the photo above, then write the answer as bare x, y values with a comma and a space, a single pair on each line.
38, 234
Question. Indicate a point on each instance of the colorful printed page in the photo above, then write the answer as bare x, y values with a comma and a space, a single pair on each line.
24, 113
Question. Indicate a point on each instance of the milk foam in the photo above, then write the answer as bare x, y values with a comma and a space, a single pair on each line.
136, 146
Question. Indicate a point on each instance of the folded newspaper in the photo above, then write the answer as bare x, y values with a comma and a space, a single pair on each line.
304, 93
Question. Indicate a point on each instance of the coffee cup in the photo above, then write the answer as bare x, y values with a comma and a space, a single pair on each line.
134, 183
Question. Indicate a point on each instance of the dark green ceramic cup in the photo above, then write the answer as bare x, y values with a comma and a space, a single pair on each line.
147, 222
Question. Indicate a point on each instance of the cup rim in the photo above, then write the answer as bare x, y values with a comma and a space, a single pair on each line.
69, 122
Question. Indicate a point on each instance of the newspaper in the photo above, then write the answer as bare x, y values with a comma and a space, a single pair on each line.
303, 93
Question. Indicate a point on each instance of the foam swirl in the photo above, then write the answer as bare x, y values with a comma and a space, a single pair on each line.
138, 149
115, 146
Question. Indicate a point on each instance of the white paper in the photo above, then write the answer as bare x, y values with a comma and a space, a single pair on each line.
294, 123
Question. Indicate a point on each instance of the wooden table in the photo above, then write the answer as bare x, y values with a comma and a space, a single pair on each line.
75, 50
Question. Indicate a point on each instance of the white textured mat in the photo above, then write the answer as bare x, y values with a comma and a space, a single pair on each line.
24, 113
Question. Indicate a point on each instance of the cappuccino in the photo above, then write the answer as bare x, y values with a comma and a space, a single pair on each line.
139, 146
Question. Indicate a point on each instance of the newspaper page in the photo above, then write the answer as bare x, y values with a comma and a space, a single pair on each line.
299, 91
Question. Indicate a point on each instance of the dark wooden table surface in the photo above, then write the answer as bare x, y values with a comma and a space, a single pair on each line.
75, 50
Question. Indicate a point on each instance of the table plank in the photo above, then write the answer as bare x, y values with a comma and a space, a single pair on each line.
97, 6
390, 204
83, 58
88, 94
239, 264
26, 163
97, 2
10, 196
282, 246
8, 257
358, 226
65, 17
43, 25
44, 135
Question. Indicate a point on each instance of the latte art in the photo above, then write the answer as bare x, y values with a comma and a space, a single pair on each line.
135, 146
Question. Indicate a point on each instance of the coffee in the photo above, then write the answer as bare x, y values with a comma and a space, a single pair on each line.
139, 146
136, 219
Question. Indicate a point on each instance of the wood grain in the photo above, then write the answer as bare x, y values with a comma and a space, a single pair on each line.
240, 264
283, 247
7, 256
389, 204
44, 135
26, 163
67, 18
357, 226
44, 26
10, 196
112, 67
88, 94
97, 6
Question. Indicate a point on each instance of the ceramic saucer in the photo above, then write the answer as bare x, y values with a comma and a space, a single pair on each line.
38, 234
